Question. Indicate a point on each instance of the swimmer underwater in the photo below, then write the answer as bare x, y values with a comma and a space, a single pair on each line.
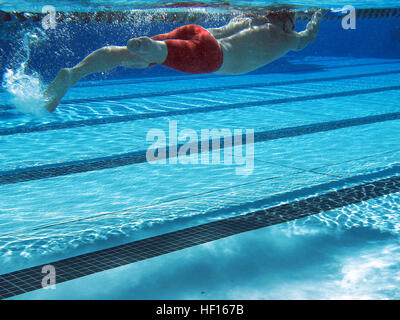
241, 46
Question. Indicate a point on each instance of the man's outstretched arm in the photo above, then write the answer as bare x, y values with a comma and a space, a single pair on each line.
309, 35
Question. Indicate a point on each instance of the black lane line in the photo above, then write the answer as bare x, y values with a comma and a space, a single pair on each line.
30, 279
136, 157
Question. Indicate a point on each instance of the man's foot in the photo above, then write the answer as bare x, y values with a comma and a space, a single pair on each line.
148, 49
58, 88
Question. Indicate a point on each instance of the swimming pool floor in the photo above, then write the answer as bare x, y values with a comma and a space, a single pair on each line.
320, 125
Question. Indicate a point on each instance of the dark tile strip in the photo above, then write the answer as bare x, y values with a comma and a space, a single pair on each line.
26, 280
79, 166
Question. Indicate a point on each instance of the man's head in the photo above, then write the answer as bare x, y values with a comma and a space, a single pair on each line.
284, 18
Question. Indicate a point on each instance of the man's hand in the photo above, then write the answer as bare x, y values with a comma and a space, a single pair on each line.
314, 24
309, 35
319, 14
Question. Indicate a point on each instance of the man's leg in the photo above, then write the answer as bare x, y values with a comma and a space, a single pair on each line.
98, 61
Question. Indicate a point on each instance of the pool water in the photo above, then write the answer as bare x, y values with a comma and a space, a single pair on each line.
346, 253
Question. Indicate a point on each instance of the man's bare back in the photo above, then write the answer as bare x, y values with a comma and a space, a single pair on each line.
257, 45
245, 46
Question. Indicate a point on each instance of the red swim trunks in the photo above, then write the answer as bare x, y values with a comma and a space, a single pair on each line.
192, 49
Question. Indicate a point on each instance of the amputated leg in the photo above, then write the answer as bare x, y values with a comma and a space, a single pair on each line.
98, 61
